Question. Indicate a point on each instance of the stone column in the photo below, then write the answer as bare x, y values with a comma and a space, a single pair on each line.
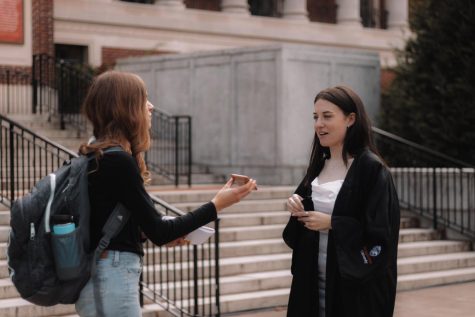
235, 6
295, 10
172, 4
398, 11
348, 13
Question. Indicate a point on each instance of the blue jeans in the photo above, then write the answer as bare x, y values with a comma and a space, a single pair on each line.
113, 291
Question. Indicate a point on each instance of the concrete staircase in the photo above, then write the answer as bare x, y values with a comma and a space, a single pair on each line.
255, 263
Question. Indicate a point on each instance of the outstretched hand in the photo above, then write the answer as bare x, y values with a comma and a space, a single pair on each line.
228, 196
177, 242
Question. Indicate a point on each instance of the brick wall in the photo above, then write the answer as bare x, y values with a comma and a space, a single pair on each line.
111, 54
15, 75
43, 27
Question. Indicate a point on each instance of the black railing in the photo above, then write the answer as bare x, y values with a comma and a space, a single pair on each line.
59, 89
430, 183
183, 280
26, 158
15, 91
170, 151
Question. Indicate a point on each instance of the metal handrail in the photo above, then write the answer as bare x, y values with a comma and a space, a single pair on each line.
195, 292
430, 183
59, 89
170, 153
421, 148
26, 158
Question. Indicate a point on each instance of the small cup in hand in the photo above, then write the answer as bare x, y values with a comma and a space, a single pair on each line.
240, 180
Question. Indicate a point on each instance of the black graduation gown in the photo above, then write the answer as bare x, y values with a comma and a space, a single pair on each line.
361, 269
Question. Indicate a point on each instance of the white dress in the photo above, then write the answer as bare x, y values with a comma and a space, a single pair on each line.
323, 197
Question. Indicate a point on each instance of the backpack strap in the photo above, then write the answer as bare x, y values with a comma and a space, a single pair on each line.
114, 224
108, 150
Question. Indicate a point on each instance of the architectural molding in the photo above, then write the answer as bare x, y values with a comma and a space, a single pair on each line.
157, 28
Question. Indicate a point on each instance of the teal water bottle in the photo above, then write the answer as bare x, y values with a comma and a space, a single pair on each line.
63, 224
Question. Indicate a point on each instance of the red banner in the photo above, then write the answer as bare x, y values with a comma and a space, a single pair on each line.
11, 21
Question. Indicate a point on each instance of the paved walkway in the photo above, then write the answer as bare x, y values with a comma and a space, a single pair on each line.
456, 300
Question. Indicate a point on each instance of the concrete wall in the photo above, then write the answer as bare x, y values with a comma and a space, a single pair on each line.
252, 108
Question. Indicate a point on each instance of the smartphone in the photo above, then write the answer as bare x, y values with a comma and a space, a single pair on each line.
240, 179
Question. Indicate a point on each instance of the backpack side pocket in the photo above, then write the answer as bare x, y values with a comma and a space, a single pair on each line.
68, 255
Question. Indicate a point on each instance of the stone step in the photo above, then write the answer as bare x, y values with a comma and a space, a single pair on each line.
436, 262
427, 279
244, 301
418, 234
226, 250
202, 196
251, 232
412, 249
241, 283
4, 217
274, 231
228, 266
4, 233
238, 219
7, 290
253, 219
259, 263
277, 246
17, 307
244, 206
3, 250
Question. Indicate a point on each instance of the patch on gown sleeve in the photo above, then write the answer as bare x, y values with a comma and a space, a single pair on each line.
375, 251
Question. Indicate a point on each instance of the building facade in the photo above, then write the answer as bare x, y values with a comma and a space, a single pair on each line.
98, 32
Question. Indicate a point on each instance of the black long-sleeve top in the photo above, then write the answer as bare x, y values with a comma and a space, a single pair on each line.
117, 179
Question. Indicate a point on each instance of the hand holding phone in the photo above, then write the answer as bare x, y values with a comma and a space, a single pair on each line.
240, 179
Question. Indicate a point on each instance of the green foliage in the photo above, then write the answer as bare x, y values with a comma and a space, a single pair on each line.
432, 99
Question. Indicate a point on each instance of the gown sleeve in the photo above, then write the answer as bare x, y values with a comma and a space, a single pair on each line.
293, 227
367, 244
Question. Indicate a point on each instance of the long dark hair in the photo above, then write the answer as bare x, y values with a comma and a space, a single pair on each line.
358, 136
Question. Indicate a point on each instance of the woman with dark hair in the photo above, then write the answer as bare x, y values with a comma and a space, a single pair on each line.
120, 113
344, 224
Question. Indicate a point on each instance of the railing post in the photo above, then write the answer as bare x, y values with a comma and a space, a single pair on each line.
34, 85
195, 279
12, 162
189, 152
141, 289
8, 91
177, 151
61, 95
216, 268
434, 198
42, 93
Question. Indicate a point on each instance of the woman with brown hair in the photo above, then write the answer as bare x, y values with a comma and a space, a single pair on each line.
118, 109
344, 224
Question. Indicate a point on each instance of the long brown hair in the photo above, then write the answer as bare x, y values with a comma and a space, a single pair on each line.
116, 106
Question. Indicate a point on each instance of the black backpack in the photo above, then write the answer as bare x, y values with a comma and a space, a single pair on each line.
48, 268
